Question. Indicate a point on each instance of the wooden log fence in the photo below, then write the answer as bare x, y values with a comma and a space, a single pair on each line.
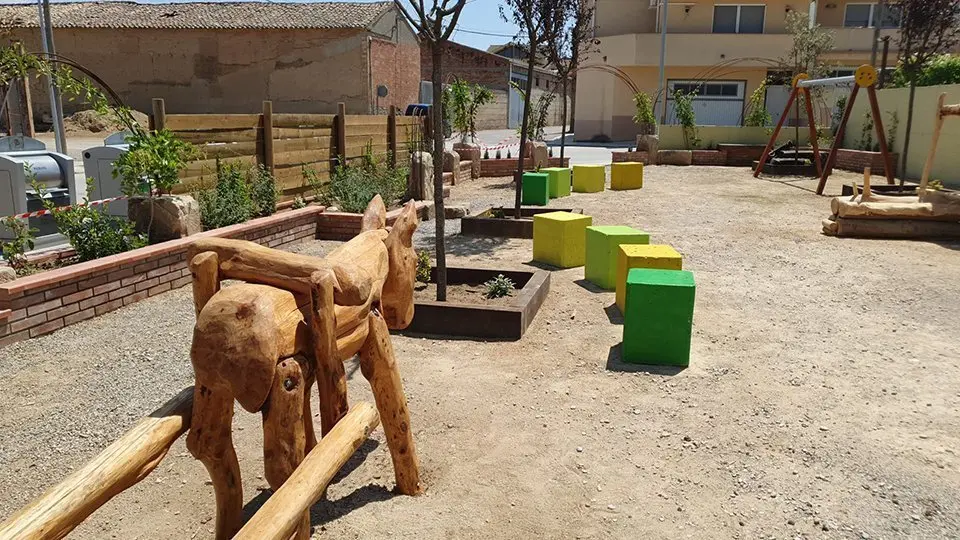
288, 144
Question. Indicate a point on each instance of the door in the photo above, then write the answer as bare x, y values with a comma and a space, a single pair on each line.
777, 96
515, 104
716, 103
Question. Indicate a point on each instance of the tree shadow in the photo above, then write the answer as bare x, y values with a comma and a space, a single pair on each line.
465, 245
500, 185
615, 363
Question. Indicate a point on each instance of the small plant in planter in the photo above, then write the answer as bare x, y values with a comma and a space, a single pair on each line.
643, 116
508, 154
15, 249
498, 153
423, 266
353, 186
486, 153
299, 202
498, 287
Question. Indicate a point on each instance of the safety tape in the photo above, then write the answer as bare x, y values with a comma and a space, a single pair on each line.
44, 212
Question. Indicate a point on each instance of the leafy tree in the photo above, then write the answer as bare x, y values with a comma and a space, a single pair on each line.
928, 29
683, 106
464, 101
568, 39
808, 47
944, 69
644, 105
435, 22
536, 128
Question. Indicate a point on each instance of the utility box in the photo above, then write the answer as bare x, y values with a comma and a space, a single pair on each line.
53, 171
98, 165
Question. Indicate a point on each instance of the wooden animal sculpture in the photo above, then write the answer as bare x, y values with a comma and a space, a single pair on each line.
293, 321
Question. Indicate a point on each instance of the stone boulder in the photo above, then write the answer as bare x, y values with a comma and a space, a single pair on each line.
541, 157
451, 161
7, 274
470, 151
456, 211
675, 157
420, 183
173, 216
649, 144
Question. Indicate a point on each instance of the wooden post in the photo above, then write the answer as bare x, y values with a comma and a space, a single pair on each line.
392, 135
813, 130
28, 128
340, 154
832, 158
937, 127
205, 268
328, 367
283, 512
159, 119
122, 464
881, 136
267, 135
773, 137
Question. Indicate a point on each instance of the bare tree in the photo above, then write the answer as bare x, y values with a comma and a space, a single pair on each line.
928, 28
569, 35
533, 17
435, 24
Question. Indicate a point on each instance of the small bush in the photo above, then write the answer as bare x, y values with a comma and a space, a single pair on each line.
508, 154
299, 202
423, 266
498, 287
153, 162
229, 202
15, 250
643, 109
263, 192
498, 153
353, 186
486, 153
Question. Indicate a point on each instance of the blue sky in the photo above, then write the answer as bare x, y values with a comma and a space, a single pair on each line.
479, 18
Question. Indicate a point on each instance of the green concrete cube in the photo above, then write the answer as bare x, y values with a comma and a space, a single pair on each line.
602, 251
558, 238
559, 181
535, 189
658, 320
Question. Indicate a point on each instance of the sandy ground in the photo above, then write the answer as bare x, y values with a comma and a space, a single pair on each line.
821, 400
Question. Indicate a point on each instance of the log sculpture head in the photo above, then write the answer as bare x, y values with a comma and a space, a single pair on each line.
397, 297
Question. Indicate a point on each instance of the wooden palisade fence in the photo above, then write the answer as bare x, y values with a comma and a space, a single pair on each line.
287, 144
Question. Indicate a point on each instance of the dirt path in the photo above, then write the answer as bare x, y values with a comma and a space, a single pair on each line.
821, 401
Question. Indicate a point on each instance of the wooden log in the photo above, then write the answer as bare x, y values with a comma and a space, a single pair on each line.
866, 185
280, 516
159, 119
122, 464
266, 137
206, 278
203, 122
283, 432
303, 120
896, 228
397, 295
379, 366
829, 227
897, 207
375, 216
330, 375
934, 141
219, 136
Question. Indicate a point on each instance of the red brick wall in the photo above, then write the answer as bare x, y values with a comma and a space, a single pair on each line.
44, 302
344, 225
709, 157
398, 67
741, 155
634, 157
857, 160
506, 167
470, 64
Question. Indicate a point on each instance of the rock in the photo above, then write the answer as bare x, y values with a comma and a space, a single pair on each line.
7, 274
651, 145
451, 161
173, 216
456, 211
538, 149
472, 152
675, 157
420, 182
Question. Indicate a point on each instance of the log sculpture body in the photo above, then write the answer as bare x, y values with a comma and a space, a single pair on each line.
295, 319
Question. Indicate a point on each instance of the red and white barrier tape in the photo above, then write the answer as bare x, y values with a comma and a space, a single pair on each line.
44, 212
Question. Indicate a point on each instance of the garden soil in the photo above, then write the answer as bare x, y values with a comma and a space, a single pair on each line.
821, 400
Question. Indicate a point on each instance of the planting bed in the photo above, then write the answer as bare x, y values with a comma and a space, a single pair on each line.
487, 224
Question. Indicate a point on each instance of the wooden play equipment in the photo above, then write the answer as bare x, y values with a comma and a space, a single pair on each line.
263, 343
864, 77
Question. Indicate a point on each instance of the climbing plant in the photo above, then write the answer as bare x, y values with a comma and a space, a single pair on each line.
683, 107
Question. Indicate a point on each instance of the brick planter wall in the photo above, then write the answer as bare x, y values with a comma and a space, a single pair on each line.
709, 157
741, 155
634, 157
506, 167
857, 160
345, 225
47, 301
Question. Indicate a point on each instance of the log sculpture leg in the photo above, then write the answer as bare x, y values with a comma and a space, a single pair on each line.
379, 366
330, 375
306, 369
283, 431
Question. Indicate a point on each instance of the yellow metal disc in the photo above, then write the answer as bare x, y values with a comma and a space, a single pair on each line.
865, 76
798, 78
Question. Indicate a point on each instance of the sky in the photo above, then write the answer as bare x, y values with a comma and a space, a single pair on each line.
480, 24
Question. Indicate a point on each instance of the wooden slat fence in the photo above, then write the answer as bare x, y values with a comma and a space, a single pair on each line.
287, 144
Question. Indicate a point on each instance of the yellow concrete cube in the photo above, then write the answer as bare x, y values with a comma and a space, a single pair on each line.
627, 175
589, 178
643, 256
559, 238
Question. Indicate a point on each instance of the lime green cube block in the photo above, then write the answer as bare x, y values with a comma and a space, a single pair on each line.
643, 256
589, 178
627, 175
602, 251
535, 189
559, 238
658, 320
559, 181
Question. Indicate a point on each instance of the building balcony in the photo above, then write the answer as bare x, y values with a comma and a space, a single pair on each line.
748, 50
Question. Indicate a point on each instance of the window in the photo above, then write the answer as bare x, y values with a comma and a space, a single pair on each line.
737, 19
536, 81
867, 15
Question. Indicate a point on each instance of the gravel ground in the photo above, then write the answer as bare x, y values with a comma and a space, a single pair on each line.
821, 401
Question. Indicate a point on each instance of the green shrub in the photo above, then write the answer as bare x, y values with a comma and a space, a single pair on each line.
944, 69
423, 266
644, 109
758, 115
499, 287
299, 202
15, 249
683, 107
92, 232
353, 186
263, 192
153, 162
229, 201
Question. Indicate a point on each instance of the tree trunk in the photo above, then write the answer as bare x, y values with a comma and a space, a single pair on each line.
437, 78
563, 119
906, 136
573, 100
523, 134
